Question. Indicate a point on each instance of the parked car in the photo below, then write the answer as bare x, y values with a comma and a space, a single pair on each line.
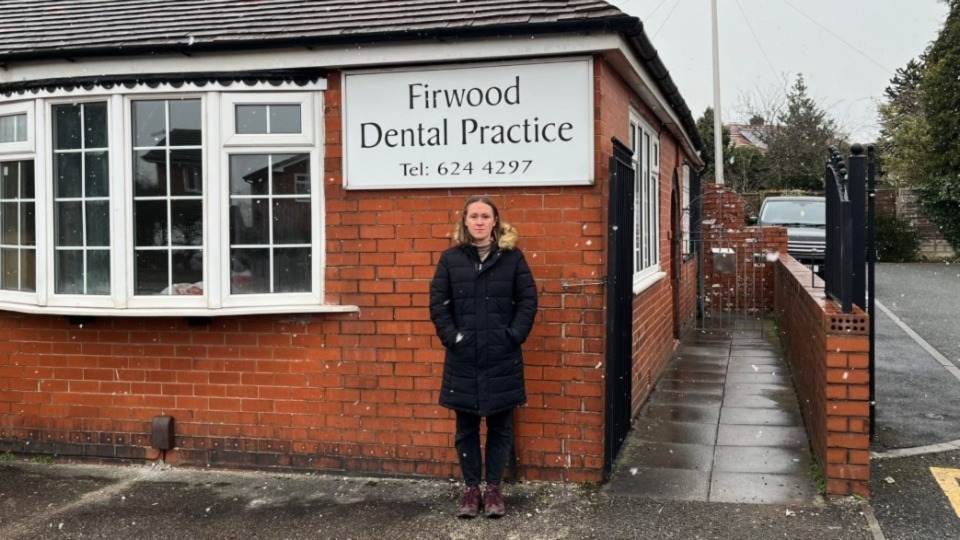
806, 221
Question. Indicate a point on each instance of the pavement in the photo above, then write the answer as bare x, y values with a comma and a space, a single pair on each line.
751, 479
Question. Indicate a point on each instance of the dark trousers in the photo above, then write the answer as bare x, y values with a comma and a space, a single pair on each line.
498, 445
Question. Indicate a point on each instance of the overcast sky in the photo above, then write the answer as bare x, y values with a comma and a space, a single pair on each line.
847, 50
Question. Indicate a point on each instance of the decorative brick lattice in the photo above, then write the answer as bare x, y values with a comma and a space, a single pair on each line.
848, 323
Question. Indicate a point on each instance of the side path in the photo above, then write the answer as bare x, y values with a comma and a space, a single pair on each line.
39, 501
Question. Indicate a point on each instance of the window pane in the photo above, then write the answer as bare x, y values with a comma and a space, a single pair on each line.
186, 219
27, 188
186, 122
150, 173
249, 174
17, 226
28, 268
66, 127
188, 267
10, 262
150, 219
95, 125
97, 174
151, 272
171, 174
149, 123
185, 172
98, 271
292, 270
69, 226
10, 180
13, 128
249, 271
10, 217
251, 118
249, 221
69, 272
286, 169
291, 222
28, 224
285, 119
68, 171
98, 223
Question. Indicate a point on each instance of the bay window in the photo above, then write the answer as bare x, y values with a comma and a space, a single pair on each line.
137, 200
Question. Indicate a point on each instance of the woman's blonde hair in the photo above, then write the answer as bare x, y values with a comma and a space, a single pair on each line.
462, 236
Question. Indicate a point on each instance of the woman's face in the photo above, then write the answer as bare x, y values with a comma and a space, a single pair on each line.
479, 221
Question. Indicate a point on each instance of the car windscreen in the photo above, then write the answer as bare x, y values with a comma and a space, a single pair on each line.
793, 213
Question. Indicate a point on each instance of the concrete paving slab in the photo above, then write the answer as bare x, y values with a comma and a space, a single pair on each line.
703, 350
674, 432
756, 360
699, 367
780, 377
758, 401
769, 460
750, 367
714, 388
696, 414
684, 398
657, 455
669, 484
786, 436
742, 388
761, 488
693, 376
760, 417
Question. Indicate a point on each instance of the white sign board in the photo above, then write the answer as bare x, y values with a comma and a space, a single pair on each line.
524, 124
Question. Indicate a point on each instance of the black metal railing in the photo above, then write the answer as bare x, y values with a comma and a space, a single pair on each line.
846, 220
619, 388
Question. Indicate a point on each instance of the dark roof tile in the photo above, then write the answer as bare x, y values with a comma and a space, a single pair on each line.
32, 28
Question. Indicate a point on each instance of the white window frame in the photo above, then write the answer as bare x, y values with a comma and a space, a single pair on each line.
46, 207
13, 109
305, 100
645, 143
219, 142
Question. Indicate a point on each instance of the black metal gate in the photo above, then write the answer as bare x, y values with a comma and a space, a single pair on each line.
619, 303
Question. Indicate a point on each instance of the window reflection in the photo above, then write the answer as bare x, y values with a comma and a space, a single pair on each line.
168, 197
270, 232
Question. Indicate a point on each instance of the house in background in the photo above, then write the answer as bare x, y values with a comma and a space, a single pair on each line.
227, 214
750, 135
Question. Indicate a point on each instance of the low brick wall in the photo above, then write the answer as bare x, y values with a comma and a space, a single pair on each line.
828, 352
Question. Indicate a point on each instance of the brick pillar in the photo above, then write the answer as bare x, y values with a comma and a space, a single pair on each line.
847, 405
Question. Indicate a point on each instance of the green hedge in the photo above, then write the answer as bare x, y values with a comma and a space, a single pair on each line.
897, 239
941, 202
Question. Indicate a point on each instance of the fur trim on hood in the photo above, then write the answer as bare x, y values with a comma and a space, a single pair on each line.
507, 237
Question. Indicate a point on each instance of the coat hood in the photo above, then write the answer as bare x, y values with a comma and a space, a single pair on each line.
507, 237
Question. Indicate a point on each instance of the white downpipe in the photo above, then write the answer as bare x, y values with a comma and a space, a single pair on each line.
717, 123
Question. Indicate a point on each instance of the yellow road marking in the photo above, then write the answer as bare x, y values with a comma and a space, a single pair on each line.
949, 480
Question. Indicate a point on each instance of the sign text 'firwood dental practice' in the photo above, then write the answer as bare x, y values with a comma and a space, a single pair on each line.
503, 125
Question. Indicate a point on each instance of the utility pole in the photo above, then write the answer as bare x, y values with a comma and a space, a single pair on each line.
717, 123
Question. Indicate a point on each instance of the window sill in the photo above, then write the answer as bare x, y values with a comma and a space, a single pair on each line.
644, 282
73, 311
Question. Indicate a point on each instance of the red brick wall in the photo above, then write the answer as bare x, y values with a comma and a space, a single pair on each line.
357, 391
828, 355
749, 286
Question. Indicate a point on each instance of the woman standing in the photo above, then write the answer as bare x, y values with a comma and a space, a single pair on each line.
483, 301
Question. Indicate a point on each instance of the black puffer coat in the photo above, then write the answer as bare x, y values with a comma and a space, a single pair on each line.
492, 307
